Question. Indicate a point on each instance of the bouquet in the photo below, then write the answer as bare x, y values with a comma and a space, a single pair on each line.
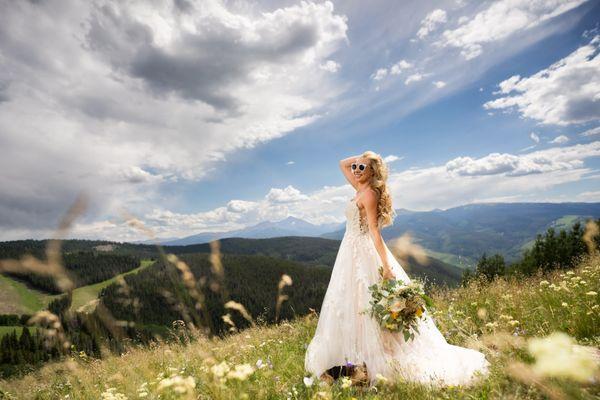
398, 306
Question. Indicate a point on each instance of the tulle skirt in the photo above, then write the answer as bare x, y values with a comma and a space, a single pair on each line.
343, 334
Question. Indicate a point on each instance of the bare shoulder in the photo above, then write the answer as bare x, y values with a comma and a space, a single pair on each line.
369, 197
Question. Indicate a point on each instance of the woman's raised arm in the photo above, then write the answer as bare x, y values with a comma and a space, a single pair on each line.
345, 167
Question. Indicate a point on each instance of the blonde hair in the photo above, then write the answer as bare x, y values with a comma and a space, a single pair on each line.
378, 182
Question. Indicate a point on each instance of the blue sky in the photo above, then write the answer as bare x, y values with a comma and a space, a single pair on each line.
217, 115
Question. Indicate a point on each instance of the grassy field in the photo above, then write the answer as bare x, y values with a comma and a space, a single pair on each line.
8, 329
512, 322
86, 294
17, 298
458, 261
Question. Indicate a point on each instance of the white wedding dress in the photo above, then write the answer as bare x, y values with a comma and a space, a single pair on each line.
344, 335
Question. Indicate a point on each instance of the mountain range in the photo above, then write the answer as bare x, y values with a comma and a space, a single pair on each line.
457, 235
290, 226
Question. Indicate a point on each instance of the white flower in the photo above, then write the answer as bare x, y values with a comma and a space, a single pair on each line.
112, 394
381, 378
241, 372
178, 384
308, 381
591, 293
557, 355
346, 382
219, 370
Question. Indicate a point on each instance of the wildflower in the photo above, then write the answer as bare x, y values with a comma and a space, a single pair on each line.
112, 394
565, 304
241, 372
219, 370
346, 382
286, 279
544, 283
178, 384
308, 381
595, 307
514, 322
381, 378
322, 395
591, 293
260, 364
557, 355
143, 390
482, 313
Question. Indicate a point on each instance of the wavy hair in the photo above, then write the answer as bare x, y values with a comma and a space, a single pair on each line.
378, 182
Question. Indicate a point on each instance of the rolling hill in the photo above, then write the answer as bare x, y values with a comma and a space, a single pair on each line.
460, 235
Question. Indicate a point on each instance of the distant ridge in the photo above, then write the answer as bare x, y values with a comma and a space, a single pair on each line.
469, 230
290, 226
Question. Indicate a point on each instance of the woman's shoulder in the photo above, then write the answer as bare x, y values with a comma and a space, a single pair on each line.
369, 196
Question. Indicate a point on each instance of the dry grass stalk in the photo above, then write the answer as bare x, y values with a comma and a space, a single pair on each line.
285, 280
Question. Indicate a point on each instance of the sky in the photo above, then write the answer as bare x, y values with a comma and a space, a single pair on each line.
197, 116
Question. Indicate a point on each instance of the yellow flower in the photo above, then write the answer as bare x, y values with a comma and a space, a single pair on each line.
419, 312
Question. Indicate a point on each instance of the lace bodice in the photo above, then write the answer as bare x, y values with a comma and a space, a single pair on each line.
354, 225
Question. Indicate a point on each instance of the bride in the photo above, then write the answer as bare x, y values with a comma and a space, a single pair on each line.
346, 337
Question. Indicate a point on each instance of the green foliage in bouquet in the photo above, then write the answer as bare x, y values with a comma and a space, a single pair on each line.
397, 305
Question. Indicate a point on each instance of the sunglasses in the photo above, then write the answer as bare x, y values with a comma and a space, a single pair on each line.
361, 167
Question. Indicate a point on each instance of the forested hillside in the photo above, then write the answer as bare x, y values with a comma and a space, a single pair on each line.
249, 280
460, 235
539, 333
84, 268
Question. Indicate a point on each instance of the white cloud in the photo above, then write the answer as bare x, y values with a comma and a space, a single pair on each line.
400, 66
416, 77
534, 136
439, 84
463, 180
135, 174
145, 93
290, 163
500, 20
379, 74
287, 195
391, 158
434, 19
591, 132
543, 161
241, 206
589, 196
567, 92
559, 139
330, 66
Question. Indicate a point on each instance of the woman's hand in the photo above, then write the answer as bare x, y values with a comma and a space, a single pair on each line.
387, 272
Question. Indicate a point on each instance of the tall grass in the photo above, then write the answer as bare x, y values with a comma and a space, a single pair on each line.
514, 322
502, 319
